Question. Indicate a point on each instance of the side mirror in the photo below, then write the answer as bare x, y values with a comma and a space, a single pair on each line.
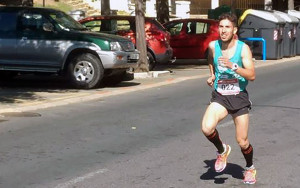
48, 27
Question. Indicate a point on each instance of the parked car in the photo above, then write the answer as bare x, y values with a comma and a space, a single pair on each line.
190, 37
157, 38
41, 40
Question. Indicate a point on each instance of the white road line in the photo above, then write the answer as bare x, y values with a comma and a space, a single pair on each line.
81, 178
228, 123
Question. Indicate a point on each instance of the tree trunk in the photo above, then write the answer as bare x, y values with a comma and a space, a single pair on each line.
105, 7
27, 3
280, 5
233, 7
140, 36
162, 11
291, 5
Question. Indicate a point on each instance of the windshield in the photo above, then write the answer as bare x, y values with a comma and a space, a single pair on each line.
66, 22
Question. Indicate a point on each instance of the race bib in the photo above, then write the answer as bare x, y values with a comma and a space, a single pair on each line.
228, 87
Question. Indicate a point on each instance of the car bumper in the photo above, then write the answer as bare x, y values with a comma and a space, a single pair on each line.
119, 59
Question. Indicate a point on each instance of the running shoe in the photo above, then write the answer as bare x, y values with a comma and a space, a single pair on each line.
221, 161
249, 175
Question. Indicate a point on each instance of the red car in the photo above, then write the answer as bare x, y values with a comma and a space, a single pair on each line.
157, 37
190, 37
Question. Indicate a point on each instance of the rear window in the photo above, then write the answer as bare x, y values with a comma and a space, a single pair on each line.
175, 28
197, 27
93, 25
8, 21
108, 26
123, 25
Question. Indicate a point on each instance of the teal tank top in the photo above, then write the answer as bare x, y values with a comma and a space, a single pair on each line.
225, 73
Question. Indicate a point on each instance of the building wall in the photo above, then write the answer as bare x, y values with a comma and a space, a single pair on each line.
202, 6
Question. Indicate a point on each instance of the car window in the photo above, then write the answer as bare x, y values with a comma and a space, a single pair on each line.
66, 22
108, 26
32, 22
8, 22
93, 25
197, 27
123, 25
175, 28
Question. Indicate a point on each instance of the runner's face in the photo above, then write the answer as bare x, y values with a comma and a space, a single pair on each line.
226, 30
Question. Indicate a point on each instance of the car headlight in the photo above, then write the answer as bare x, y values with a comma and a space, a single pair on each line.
115, 46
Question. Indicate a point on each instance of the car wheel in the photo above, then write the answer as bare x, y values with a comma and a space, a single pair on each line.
85, 71
151, 61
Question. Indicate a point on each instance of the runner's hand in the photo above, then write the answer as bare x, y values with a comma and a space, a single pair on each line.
210, 80
224, 62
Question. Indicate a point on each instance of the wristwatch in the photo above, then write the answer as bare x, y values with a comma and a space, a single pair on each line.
234, 67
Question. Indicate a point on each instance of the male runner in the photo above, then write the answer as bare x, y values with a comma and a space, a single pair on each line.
231, 66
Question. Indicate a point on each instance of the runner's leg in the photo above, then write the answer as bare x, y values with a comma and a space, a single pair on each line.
213, 115
242, 126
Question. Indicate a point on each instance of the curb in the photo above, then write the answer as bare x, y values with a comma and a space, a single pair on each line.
151, 74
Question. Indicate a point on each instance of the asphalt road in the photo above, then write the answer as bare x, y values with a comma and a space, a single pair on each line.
152, 138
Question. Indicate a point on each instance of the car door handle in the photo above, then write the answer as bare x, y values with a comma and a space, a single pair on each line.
24, 38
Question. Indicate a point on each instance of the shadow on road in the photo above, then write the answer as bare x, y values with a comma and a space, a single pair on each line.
182, 64
234, 170
27, 87
23, 87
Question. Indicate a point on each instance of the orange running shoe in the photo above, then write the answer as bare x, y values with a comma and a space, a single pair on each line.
249, 175
221, 161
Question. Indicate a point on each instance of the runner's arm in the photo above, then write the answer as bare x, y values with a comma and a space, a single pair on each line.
248, 70
210, 60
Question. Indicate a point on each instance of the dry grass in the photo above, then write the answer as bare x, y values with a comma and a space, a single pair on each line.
47, 2
53, 4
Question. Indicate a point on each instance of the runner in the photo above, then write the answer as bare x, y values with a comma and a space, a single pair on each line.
231, 66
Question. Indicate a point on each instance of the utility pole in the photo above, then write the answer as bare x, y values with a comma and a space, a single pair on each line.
140, 36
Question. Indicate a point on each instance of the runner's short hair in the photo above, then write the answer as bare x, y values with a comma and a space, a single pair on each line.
228, 16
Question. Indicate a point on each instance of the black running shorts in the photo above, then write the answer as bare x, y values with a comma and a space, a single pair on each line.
236, 105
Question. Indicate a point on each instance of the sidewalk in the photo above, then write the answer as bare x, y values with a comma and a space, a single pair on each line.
32, 94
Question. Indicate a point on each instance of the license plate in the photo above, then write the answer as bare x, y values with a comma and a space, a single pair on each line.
134, 56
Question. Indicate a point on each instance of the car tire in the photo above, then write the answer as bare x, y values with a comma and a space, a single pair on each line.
151, 61
85, 71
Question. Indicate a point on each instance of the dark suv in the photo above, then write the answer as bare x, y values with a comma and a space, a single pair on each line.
50, 41
157, 37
